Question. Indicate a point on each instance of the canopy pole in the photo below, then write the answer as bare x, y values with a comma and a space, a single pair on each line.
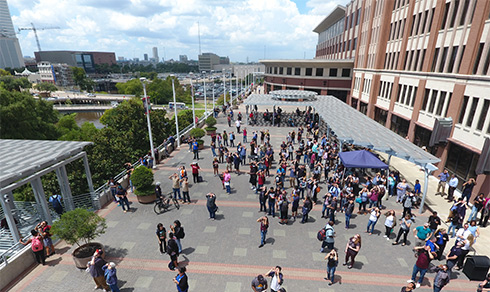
388, 177
246, 112
426, 180
273, 114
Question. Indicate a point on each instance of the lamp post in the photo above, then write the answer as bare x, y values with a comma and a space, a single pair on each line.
192, 97
147, 112
224, 87
205, 95
175, 112
231, 87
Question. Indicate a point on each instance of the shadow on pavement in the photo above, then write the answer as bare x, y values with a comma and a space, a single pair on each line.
120, 284
270, 240
188, 251
219, 217
115, 254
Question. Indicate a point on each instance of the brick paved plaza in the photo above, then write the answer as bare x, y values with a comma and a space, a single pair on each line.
223, 255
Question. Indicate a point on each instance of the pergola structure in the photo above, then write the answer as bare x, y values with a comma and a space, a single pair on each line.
25, 162
352, 126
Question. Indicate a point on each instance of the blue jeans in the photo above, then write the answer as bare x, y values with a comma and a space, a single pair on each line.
371, 203
114, 288
474, 214
244, 139
177, 191
331, 273
371, 224
124, 201
228, 189
453, 227
272, 205
324, 208
178, 244
262, 237
347, 220
214, 152
437, 289
417, 270
212, 212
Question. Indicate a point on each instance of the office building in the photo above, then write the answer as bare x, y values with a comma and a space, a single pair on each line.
155, 54
183, 58
85, 60
58, 74
208, 61
145, 57
10, 53
421, 69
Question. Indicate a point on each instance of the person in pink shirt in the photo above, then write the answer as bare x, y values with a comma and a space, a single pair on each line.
227, 181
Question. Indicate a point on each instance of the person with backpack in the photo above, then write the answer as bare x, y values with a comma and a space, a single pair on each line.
264, 226
179, 233
36, 246
55, 201
277, 278
328, 240
172, 251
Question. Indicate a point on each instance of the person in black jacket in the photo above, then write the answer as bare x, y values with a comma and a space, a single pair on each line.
181, 280
173, 251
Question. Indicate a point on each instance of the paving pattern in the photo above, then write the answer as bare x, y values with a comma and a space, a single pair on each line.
223, 255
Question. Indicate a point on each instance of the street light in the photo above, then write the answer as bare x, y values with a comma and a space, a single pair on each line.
147, 112
205, 96
175, 112
224, 87
192, 96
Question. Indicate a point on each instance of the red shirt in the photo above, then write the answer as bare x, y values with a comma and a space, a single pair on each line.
195, 169
423, 260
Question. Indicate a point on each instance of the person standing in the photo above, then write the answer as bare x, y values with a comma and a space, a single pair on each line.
373, 219
227, 181
162, 238
215, 166
477, 206
351, 250
277, 278
111, 276
245, 135
176, 185
123, 199
259, 283
179, 233
443, 178
172, 251
422, 234
442, 277
36, 246
181, 280
264, 226
195, 149
307, 206
422, 264
55, 199
349, 209
44, 229
407, 202
332, 262
468, 189
95, 270
404, 229
238, 124
441, 240
195, 172
185, 190
401, 190
390, 223
434, 222
329, 240
211, 205
453, 184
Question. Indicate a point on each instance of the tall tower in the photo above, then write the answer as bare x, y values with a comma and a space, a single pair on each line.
155, 54
10, 53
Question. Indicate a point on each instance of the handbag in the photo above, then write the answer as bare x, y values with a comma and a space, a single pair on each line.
358, 200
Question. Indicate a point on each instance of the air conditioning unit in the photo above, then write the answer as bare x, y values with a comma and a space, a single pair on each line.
483, 165
441, 131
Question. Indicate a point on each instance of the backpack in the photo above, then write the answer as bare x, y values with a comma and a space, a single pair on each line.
37, 244
322, 234
181, 233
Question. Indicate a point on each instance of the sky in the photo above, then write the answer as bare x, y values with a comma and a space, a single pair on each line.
240, 29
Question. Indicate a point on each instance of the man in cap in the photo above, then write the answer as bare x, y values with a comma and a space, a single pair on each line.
259, 284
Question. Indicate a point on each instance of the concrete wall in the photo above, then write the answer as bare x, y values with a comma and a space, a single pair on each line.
16, 266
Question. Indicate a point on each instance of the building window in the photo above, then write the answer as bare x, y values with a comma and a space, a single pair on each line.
346, 72
399, 125
297, 71
440, 105
471, 114
443, 59
463, 109
319, 72
446, 11
380, 115
309, 72
452, 60
275, 70
448, 103
455, 11
281, 70
461, 161
432, 103
289, 71
333, 72
483, 115
409, 95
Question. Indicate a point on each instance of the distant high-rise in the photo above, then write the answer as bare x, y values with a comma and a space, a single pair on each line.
183, 58
145, 57
10, 53
155, 54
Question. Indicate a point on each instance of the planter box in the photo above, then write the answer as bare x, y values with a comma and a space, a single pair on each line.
89, 248
211, 133
146, 199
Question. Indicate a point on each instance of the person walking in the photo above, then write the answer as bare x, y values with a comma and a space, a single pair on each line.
351, 250
179, 233
259, 283
95, 269
332, 262
36, 246
162, 238
277, 278
181, 280
123, 199
442, 277
55, 199
195, 172
404, 229
111, 276
373, 219
211, 205
264, 226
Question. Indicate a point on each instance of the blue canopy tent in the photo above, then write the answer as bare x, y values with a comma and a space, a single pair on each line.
361, 159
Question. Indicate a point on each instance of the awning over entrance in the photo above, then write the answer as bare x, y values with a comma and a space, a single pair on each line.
361, 159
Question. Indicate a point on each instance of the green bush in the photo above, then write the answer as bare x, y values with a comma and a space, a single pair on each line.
79, 226
210, 121
142, 178
196, 133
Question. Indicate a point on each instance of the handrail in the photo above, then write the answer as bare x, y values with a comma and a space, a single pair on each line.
4, 256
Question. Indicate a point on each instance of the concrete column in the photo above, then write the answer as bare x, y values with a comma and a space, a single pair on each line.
65, 188
95, 198
37, 188
8, 215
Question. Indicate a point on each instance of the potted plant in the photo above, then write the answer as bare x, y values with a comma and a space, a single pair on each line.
198, 133
211, 129
142, 178
80, 227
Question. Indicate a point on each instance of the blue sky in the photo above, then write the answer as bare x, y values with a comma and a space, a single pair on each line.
236, 28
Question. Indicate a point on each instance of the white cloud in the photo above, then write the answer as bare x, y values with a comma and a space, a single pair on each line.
234, 28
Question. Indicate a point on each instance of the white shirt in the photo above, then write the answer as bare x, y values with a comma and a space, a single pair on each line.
275, 283
453, 182
373, 216
237, 123
389, 221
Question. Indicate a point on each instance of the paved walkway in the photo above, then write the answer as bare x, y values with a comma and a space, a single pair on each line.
222, 255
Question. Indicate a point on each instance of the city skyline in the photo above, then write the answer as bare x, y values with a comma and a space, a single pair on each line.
242, 30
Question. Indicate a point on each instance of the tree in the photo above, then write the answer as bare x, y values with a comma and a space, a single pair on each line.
11, 83
24, 117
142, 178
132, 87
46, 87
79, 226
81, 79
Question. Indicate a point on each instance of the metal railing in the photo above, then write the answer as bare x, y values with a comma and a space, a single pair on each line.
12, 250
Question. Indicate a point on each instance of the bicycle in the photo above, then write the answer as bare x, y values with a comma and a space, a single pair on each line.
162, 206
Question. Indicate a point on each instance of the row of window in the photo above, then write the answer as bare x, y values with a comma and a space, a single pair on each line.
419, 23
357, 83
451, 10
399, 3
412, 59
436, 102
406, 94
332, 72
447, 54
353, 19
367, 86
469, 114
385, 88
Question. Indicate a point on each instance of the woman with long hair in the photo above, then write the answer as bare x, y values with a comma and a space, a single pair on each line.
351, 250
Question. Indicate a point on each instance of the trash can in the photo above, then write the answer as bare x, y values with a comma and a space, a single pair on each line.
476, 267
